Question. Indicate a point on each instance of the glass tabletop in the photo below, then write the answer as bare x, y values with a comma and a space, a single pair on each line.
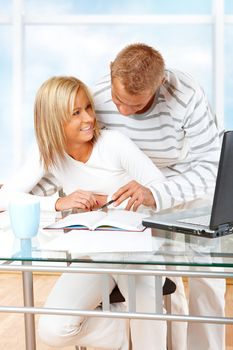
168, 248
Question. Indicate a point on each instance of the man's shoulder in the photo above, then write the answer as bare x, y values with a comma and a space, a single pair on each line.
180, 89
102, 85
181, 80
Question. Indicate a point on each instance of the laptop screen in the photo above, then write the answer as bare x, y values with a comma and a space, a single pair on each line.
222, 209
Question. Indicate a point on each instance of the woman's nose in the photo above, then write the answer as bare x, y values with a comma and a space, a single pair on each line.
87, 116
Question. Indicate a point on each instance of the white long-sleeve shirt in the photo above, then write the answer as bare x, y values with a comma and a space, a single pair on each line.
115, 160
178, 133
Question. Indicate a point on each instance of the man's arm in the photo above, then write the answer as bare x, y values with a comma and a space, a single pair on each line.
22, 181
138, 194
195, 174
47, 186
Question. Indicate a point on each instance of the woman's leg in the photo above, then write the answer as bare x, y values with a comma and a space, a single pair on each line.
179, 306
81, 292
145, 334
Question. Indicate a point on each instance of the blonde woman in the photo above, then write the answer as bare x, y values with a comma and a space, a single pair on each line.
89, 165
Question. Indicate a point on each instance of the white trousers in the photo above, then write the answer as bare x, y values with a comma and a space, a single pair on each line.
75, 291
206, 298
179, 306
83, 291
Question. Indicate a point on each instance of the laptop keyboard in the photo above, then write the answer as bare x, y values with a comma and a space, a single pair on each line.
203, 220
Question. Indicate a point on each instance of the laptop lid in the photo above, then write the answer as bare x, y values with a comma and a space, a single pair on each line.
222, 209
221, 219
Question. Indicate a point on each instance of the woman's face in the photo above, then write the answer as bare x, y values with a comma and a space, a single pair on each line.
80, 128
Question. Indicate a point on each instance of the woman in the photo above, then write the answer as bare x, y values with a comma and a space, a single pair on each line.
89, 165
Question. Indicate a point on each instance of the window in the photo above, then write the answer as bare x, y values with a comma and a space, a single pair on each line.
75, 37
6, 120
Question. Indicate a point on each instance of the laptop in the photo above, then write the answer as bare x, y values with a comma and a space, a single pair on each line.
211, 222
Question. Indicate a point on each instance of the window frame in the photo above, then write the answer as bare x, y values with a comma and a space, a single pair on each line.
19, 20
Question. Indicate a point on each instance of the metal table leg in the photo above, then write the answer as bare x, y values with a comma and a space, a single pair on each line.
29, 319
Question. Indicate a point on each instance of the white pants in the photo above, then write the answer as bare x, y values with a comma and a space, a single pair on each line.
179, 306
80, 291
206, 298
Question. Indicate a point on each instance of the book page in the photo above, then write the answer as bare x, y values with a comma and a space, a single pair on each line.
88, 219
117, 219
121, 219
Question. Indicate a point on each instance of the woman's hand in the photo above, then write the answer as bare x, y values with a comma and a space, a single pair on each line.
79, 200
101, 200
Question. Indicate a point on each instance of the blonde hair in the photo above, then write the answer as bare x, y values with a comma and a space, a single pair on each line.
53, 107
139, 68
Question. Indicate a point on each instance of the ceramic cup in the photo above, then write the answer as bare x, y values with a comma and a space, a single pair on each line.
24, 215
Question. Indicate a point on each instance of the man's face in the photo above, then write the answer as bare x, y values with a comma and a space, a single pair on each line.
128, 104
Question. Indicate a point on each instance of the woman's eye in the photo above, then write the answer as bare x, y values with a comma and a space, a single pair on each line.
76, 113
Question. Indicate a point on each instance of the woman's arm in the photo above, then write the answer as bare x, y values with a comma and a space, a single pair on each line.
80, 200
32, 171
139, 167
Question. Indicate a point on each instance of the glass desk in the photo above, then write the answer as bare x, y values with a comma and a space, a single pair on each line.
174, 254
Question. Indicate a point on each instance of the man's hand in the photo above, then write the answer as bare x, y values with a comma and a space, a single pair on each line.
137, 193
78, 199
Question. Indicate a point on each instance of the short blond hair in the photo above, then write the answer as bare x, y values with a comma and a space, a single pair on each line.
53, 107
139, 68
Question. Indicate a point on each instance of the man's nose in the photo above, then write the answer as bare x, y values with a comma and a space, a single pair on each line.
126, 110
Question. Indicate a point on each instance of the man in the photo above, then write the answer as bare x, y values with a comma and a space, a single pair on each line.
166, 113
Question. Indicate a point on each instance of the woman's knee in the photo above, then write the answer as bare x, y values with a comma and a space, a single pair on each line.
56, 331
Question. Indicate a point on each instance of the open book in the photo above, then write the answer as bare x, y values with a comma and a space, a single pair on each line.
114, 219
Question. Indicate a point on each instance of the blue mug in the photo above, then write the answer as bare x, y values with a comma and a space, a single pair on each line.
24, 212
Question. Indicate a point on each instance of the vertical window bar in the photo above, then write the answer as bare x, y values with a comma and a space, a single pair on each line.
17, 80
218, 56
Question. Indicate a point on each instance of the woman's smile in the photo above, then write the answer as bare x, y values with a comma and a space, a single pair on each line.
87, 128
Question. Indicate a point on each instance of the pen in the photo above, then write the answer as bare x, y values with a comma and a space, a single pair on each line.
107, 204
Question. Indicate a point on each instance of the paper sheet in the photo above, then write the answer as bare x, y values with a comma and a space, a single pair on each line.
101, 241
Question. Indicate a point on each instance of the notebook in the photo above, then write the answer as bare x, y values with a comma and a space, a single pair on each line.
218, 217
111, 220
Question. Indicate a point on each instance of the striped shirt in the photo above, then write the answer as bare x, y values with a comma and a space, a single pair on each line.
178, 133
